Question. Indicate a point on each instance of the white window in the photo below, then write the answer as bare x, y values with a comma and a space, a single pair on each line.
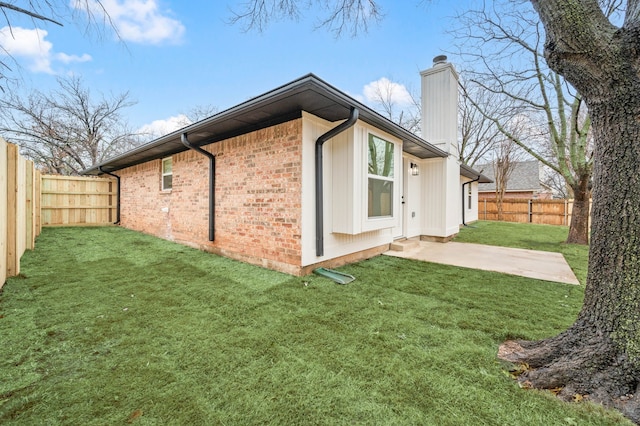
167, 174
380, 176
366, 171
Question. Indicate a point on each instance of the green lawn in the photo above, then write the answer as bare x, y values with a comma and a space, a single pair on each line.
109, 326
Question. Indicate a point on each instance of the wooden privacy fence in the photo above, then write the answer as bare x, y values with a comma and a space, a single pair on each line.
19, 209
77, 201
550, 212
29, 200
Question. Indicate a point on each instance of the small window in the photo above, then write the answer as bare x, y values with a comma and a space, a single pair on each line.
469, 192
380, 176
167, 174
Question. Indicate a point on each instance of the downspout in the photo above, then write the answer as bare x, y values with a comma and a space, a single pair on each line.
353, 117
212, 182
463, 196
117, 196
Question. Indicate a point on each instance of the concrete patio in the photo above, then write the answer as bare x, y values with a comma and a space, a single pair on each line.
540, 265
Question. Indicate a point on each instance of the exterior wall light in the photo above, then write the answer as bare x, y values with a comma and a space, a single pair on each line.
415, 170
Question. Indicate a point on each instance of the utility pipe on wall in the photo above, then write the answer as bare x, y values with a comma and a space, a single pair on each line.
353, 117
117, 196
212, 182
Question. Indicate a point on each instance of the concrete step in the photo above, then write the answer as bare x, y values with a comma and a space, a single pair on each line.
404, 245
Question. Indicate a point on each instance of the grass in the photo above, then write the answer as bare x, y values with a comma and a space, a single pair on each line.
531, 237
109, 326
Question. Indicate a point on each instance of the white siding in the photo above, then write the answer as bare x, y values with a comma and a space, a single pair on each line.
440, 107
414, 198
433, 180
441, 197
470, 213
335, 244
453, 197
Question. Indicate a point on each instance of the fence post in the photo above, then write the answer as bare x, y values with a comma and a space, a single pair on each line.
530, 210
37, 202
4, 223
13, 264
485, 209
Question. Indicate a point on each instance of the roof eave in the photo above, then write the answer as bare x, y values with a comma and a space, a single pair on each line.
307, 92
471, 173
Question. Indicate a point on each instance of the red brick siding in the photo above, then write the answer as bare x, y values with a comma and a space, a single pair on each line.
142, 201
257, 198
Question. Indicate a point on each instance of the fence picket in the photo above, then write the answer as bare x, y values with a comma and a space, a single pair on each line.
76, 201
550, 212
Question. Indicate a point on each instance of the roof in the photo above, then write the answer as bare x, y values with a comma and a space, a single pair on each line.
473, 174
308, 93
525, 176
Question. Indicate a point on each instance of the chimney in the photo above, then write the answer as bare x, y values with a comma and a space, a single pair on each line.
440, 105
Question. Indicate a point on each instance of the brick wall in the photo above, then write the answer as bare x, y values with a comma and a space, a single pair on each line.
257, 198
143, 206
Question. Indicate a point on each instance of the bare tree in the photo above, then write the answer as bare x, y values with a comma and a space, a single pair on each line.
479, 136
505, 156
384, 96
160, 128
339, 16
200, 112
556, 183
67, 131
502, 43
599, 355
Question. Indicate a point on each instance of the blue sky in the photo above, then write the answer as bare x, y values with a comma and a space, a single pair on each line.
179, 54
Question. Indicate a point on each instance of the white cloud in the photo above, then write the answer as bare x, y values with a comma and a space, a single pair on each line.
387, 90
139, 21
158, 128
31, 46
67, 59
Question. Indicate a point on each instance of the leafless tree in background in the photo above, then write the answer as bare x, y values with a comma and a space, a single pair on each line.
68, 130
479, 136
338, 16
505, 155
502, 45
384, 100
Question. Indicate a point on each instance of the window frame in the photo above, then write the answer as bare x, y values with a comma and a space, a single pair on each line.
377, 223
164, 173
391, 178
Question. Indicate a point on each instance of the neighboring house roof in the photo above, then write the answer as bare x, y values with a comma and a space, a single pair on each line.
525, 176
308, 93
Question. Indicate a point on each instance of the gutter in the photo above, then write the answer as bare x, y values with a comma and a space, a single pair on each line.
463, 196
212, 182
353, 117
117, 196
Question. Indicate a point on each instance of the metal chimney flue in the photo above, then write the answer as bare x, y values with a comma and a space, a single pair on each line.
439, 60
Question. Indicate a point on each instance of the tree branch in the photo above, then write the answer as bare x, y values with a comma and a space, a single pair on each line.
30, 13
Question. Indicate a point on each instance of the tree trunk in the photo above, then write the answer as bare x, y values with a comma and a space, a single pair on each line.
579, 226
599, 356
499, 198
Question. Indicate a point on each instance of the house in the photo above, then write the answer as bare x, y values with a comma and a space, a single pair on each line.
300, 177
525, 182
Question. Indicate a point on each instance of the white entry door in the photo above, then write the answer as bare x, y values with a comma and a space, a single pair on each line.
399, 231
